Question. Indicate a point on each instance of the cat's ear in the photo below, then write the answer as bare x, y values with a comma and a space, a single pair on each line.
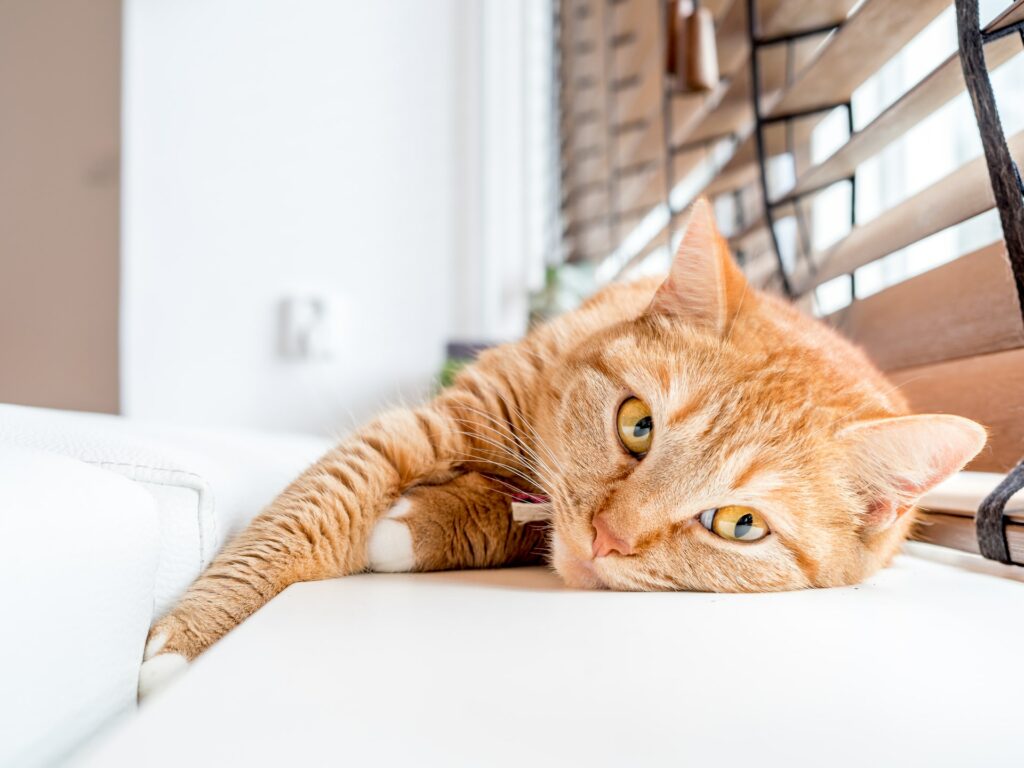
704, 285
898, 460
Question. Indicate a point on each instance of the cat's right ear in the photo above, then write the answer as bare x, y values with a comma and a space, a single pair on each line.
897, 460
704, 286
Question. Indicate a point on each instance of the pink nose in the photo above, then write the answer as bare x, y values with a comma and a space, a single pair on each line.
606, 542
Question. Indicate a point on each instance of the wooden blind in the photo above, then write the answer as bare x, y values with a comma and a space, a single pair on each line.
634, 144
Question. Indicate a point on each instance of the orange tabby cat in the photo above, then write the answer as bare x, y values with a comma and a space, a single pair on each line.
695, 435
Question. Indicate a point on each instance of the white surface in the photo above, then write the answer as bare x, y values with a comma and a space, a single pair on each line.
78, 556
508, 668
277, 149
207, 484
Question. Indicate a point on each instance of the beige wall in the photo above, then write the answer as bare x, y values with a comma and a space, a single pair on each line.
60, 64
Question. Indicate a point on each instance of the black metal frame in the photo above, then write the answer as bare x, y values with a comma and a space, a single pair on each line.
757, 42
1008, 190
1003, 172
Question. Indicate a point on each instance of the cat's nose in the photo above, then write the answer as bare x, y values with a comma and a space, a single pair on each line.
606, 542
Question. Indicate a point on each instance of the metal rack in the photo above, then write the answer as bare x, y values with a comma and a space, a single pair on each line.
757, 43
1008, 189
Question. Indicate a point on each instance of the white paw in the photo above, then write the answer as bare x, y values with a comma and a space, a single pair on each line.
154, 646
158, 671
390, 547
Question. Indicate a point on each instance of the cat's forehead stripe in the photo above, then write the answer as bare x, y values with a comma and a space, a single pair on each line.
683, 413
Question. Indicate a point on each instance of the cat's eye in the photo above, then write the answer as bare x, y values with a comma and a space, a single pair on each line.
636, 426
735, 522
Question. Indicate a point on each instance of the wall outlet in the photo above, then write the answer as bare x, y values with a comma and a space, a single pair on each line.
309, 327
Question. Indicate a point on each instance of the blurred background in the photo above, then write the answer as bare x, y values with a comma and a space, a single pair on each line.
265, 214
288, 215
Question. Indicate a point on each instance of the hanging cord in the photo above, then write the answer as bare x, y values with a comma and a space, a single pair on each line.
989, 523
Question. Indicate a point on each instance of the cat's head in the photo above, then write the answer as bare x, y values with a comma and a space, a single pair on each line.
720, 440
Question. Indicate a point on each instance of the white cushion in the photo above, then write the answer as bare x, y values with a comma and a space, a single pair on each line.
78, 555
207, 484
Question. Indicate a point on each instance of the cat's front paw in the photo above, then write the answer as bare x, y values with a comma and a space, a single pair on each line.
391, 549
160, 664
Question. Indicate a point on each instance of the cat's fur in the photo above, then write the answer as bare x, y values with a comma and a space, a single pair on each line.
753, 403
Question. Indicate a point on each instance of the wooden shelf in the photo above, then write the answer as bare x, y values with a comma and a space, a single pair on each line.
948, 511
958, 533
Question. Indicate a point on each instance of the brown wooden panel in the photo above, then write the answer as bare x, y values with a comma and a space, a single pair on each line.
872, 35
964, 308
958, 533
986, 388
941, 85
955, 198
1012, 15
792, 16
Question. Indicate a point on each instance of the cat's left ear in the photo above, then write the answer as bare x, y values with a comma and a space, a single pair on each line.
704, 285
898, 460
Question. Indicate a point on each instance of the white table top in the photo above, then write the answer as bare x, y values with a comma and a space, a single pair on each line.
914, 667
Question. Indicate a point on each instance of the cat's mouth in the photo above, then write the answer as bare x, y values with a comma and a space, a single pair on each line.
576, 572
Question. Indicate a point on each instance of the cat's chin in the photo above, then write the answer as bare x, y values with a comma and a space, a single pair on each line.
576, 572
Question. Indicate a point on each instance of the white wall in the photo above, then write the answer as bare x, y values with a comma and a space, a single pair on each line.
279, 147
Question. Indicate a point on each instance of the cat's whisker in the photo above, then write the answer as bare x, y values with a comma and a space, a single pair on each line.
511, 433
504, 425
536, 436
511, 470
513, 455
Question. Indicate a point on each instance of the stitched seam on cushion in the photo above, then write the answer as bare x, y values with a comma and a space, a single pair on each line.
198, 488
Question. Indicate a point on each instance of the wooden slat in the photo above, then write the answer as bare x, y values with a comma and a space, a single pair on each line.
743, 169
958, 533
645, 103
792, 16
585, 145
687, 109
639, 64
953, 199
727, 110
873, 34
812, 89
849, 50
987, 388
941, 85
734, 113
931, 317
1012, 15
962, 494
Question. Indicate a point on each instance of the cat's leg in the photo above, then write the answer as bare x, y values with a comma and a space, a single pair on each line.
463, 523
320, 526
317, 528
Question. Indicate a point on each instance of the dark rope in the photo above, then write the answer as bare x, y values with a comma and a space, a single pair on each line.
989, 523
